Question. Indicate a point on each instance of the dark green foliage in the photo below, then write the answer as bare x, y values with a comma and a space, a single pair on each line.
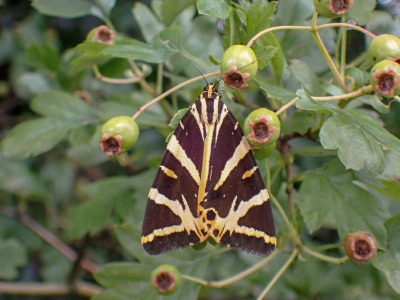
70, 215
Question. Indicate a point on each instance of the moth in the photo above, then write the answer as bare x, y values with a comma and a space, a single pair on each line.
208, 186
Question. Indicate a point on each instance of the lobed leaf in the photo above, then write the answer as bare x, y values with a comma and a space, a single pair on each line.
12, 256
259, 17
63, 9
360, 140
63, 106
170, 9
214, 8
389, 261
332, 190
34, 137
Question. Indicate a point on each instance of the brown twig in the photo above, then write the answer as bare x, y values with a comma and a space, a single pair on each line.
50, 238
48, 289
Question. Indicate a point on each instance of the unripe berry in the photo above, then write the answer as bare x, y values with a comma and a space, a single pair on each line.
264, 152
165, 279
238, 65
101, 34
333, 8
384, 46
360, 246
262, 127
385, 78
118, 135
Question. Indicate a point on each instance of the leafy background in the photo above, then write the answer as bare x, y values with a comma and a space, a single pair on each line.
71, 217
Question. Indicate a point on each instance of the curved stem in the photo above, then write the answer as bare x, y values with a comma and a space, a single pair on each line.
325, 53
237, 277
279, 274
100, 76
285, 218
343, 47
308, 28
332, 260
361, 91
287, 105
142, 81
170, 91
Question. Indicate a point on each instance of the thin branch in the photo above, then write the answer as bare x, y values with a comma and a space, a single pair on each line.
279, 274
48, 289
50, 238
170, 91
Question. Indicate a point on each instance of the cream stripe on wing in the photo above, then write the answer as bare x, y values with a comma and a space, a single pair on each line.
188, 221
196, 116
176, 149
241, 150
220, 120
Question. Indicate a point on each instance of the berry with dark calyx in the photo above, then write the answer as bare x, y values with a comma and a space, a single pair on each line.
262, 127
264, 152
385, 78
238, 65
101, 34
165, 279
384, 46
118, 135
360, 246
333, 8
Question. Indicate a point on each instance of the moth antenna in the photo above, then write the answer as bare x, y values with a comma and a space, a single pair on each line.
221, 90
176, 48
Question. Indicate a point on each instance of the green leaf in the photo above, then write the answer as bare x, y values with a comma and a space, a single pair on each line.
133, 280
170, 9
17, 178
63, 106
333, 190
35, 137
360, 140
42, 56
157, 52
104, 8
389, 261
85, 148
361, 11
259, 17
390, 189
177, 118
63, 9
129, 238
306, 76
214, 8
12, 256
299, 121
276, 92
104, 196
149, 24
278, 61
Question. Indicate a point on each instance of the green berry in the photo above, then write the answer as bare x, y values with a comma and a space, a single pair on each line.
333, 8
262, 127
238, 65
118, 135
360, 246
165, 279
264, 152
385, 78
101, 34
384, 46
